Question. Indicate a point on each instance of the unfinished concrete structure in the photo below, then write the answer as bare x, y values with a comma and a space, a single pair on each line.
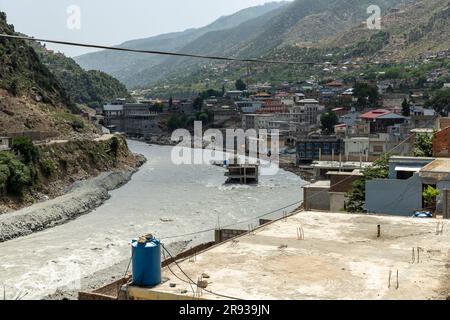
242, 173
401, 193
316, 255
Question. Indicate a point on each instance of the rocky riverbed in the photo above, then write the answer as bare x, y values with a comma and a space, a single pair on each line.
81, 198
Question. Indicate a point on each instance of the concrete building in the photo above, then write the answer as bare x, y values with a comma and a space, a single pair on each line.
248, 106
256, 121
234, 94
5, 143
320, 169
134, 119
341, 183
401, 193
316, 196
380, 121
311, 255
286, 99
306, 110
114, 117
357, 147
314, 147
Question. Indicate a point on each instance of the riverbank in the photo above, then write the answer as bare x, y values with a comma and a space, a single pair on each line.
173, 202
51, 168
81, 198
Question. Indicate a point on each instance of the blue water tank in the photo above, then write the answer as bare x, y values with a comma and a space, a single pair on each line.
146, 260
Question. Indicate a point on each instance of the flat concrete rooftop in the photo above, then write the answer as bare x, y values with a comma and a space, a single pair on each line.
339, 258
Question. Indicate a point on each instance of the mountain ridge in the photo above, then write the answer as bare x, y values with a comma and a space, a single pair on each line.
121, 65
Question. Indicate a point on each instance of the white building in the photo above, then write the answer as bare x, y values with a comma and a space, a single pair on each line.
5, 143
357, 146
307, 110
257, 121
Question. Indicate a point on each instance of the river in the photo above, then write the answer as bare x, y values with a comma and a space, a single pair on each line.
162, 198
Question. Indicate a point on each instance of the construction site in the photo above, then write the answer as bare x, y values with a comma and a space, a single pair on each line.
307, 255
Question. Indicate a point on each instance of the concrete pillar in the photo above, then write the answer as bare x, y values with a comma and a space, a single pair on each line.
218, 235
445, 197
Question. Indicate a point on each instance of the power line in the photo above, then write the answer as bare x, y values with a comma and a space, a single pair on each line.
180, 54
231, 224
167, 53
192, 281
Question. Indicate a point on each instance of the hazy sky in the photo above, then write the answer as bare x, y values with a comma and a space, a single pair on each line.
111, 22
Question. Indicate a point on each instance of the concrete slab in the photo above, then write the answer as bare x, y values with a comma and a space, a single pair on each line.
341, 257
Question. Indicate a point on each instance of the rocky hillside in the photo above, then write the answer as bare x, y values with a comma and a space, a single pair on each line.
415, 27
84, 87
131, 68
31, 97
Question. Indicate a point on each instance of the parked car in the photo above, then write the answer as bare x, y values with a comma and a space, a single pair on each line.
423, 214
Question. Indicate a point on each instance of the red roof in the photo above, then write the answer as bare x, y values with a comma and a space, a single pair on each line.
373, 114
334, 83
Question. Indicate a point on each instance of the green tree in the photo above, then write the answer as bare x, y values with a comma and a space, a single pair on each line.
423, 146
240, 85
198, 103
429, 197
356, 198
4, 174
174, 122
440, 102
15, 176
203, 117
406, 108
366, 95
170, 103
25, 147
327, 121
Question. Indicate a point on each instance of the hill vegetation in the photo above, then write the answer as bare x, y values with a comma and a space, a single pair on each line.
83, 87
31, 97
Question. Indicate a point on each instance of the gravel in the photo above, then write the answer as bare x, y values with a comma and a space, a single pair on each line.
81, 198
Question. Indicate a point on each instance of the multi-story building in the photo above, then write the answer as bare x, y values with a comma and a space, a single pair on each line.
307, 110
134, 119
248, 106
256, 121
314, 147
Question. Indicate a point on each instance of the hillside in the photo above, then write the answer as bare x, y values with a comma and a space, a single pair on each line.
299, 22
413, 29
410, 30
31, 98
83, 87
125, 66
